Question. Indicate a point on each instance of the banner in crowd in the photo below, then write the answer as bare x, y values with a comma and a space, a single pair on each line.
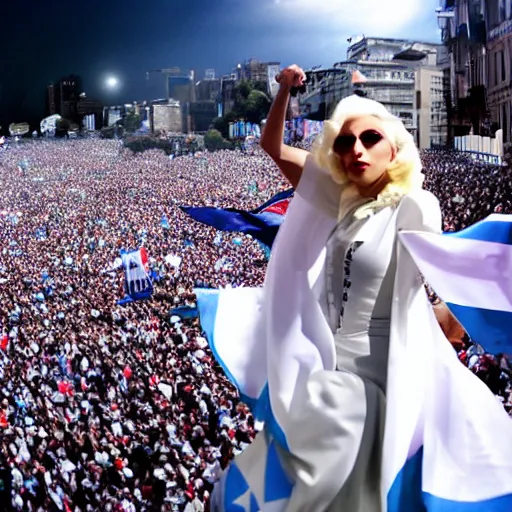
138, 285
299, 129
261, 223
241, 129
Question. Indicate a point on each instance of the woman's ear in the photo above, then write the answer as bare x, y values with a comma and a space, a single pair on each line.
394, 152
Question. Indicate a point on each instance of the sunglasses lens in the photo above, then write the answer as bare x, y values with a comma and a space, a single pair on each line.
370, 138
343, 143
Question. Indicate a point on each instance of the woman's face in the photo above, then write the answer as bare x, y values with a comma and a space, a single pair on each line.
364, 151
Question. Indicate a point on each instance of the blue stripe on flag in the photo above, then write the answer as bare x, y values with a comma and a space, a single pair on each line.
262, 411
207, 305
435, 504
487, 231
235, 486
405, 494
277, 483
490, 328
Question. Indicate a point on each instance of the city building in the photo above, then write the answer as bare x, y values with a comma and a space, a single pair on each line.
499, 59
51, 102
464, 33
62, 98
113, 114
227, 94
431, 108
181, 89
181, 86
90, 107
403, 75
253, 69
167, 117
67, 93
265, 72
202, 114
478, 35
208, 99
208, 89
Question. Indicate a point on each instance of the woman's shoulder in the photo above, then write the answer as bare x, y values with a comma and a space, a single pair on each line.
420, 210
422, 199
317, 187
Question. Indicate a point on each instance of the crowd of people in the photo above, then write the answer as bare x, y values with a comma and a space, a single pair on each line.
122, 408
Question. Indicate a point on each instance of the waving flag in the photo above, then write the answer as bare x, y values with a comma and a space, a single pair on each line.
472, 272
261, 223
137, 282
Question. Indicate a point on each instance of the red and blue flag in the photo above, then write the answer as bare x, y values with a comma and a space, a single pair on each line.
261, 223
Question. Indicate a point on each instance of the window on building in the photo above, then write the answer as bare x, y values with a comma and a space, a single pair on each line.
504, 123
502, 11
503, 75
496, 67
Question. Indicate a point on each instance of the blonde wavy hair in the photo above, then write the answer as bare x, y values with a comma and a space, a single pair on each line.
404, 171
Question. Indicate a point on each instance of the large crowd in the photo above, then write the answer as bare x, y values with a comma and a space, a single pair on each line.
122, 408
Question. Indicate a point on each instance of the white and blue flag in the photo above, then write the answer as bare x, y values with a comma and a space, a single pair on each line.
471, 270
137, 282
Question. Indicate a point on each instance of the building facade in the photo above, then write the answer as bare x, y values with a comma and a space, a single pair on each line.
499, 58
51, 102
90, 107
478, 35
254, 69
208, 89
227, 94
68, 94
167, 117
404, 76
202, 114
63, 96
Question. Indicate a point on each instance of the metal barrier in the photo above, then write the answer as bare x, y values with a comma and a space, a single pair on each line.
487, 158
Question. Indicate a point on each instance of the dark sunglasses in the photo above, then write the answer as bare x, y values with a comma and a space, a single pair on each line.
344, 143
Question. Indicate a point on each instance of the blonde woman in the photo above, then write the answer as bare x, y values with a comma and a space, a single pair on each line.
361, 389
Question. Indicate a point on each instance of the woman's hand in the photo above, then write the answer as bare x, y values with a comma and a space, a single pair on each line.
292, 76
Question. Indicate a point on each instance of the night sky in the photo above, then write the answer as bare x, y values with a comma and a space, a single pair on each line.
42, 41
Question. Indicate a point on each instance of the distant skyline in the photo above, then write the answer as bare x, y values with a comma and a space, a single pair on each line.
43, 41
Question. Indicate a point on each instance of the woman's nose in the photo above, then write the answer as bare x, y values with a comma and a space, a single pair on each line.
358, 148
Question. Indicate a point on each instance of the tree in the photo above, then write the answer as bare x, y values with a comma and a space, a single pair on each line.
107, 132
132, 122
257, 106
214, 141
250, 101
221, 124
62, 127
251, 104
